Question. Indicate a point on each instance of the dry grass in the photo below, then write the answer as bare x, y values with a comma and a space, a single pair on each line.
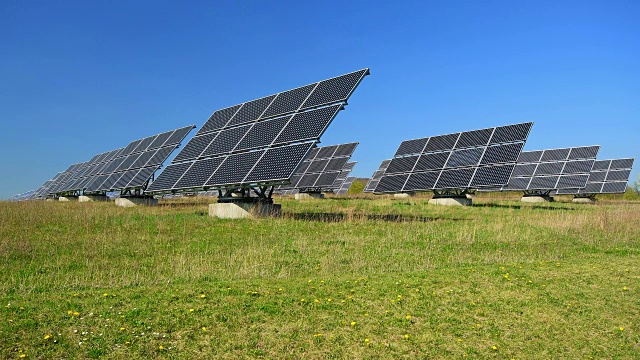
535, 281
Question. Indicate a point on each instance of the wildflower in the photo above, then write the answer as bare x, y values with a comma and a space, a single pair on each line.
316, 301
621, 328
23, 355
408, 317
203, 296
625, 288
75, 294
317, 335
353, 323
105, 294
75, 313
190, 310
494, 347
204, 328
366, 314
329, 300
406, 336
301, 300
161, 347
121, 329
366, 340
47, 337
70, 312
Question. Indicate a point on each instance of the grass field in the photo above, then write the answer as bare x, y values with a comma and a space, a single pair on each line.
334, 278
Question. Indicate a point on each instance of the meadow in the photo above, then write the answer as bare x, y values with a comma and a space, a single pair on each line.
344, 277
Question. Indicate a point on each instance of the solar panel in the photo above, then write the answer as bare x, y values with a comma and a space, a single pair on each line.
260, 143
545, 170
344, 188
459, 161
322, 172
126, 168
344, 174
377, 175
606, 177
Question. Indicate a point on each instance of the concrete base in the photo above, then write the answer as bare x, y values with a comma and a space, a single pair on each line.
403, 195
67, 198
136, 201
584, 200
453, 201
88, 198
244, 210
537, 199
306, 196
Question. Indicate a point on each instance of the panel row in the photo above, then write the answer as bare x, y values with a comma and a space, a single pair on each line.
467, 178
468, 139
572, 153
262, 166
495, 154
326, 92
300, 127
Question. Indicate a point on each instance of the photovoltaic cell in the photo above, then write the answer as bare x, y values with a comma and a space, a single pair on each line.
308, 125
198, 173
219, 119
234, 168
226, 141
377, 175
279, 163
169, 176
288, 101
336, 89
410, 147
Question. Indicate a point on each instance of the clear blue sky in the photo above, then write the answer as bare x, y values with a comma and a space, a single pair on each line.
78, 78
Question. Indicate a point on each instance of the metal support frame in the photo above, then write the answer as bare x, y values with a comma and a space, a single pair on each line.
451, 193
244, 195
585, 196
537, 193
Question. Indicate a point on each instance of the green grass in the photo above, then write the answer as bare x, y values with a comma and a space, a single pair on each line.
344, 277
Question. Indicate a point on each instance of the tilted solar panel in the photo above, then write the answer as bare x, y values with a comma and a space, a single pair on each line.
606, 177
259, 143
543, 170
377, 175
459, 161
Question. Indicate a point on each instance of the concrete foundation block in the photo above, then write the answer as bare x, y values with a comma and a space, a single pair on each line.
244, 210
89, 198
537, 199
584, 200
136, 201
67, 198
403, 195
307, 196
453, 201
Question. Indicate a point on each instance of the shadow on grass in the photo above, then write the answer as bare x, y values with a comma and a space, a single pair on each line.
339, 217
505, 206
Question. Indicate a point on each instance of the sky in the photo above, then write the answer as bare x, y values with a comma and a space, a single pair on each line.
80, 78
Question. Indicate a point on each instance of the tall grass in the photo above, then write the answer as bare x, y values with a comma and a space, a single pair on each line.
535, 281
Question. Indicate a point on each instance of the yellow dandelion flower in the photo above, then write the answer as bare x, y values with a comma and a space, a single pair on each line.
203, 296
23, 355
406, 336
625, 288
621, 328
75, 294
127, 342
75, 313
366, 314
105, 294
47, 337
316, 301
329, 300
190, 310
204, 328
494, 347
408, 317
353, 323
70, 312
366, 340
161, 347
121, 329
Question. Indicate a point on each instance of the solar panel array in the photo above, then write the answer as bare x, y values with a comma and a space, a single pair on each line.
344, 174
130, 167
260, 142
552, 169
466, 160
375, 178
344, 188
606, 177
321, 169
